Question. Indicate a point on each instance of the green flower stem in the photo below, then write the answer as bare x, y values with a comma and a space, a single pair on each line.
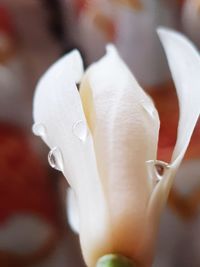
114, 260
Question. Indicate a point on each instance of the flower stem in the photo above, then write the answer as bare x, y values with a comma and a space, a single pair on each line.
114, 260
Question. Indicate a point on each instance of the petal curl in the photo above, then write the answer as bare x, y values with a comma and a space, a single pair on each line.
184, 63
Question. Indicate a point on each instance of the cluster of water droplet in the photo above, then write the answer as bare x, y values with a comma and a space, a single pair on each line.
55, 159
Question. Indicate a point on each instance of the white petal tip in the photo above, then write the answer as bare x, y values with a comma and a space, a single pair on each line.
75, 54
162, 30
59, 79
110, 48
167, 35
70, 65
164, 33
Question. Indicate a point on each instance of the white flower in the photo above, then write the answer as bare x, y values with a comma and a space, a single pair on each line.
104, 140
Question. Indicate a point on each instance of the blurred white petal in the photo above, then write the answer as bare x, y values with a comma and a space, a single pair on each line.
72, 210
24, 234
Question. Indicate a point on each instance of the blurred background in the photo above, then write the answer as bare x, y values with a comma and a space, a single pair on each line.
33, 34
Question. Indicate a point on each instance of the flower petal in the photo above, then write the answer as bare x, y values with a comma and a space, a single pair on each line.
72, 211
184, 63
58, 112
124, 124
57, 107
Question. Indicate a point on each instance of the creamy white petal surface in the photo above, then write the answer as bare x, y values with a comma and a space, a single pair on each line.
124, 125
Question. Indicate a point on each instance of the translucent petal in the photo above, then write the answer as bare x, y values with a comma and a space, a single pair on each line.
72, 211
124, 124
184, 63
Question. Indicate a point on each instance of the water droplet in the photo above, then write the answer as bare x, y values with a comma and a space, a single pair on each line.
149, 108
55, 159
80, 130
157, 169
39, 129
160, 168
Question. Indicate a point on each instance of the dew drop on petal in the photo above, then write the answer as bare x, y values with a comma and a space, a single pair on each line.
39, 129
160, 168
55, 159
157, 169
80, 130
